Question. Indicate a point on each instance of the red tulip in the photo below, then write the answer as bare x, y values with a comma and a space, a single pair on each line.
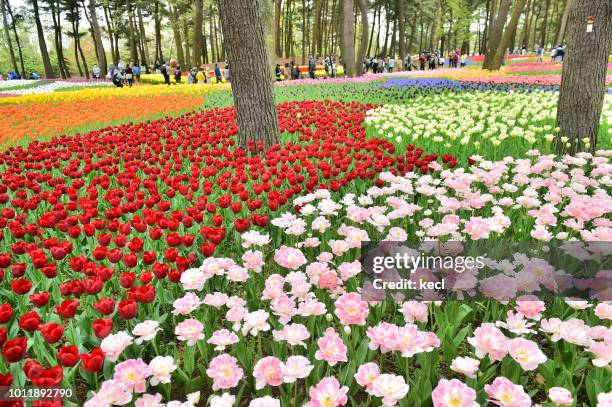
21, 286
40, 299
32, 369
67, 308
49, 377
3, 335
145, 293
18, 269
5, 259
128, 309
68, 355
102, 327
6, 313
241, 225
15, 349
6, 379
207, 249
127, 279
52, 332
93, 361
30, 321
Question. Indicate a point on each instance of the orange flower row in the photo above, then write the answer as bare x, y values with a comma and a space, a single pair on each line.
34, 120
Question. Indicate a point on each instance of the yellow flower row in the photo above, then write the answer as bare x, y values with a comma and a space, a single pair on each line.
108, 93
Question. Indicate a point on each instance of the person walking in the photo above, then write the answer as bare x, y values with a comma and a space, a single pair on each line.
391, 65
463, 60
287, 72
200, 77
218, 75
96, 71
177, 74
539, 52
408, 63
277, 73
227, 72
422, 62
136, 72
295, 72
164, 71
129, 75
311, 67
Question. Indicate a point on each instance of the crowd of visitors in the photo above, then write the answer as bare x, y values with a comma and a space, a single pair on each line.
122, 75
128, 75
200, 75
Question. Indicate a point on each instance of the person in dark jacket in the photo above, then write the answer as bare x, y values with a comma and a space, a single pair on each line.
164, 71
177, 74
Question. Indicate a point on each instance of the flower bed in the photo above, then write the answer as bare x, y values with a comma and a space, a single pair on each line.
98, 229
443, 84
538, 66
282, 319
472, 122
546, 80
54, 86
34, 120
104, 93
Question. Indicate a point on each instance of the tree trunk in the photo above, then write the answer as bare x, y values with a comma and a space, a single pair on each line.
412, 36
563, 22
187, 47
251, 85
433, 38
111, 34
16, 35
496, 32
75, 37
316, 32
178, 42
401, 17
213, 41
159, 54
421, 33
7, 34
363, 43
485, 31
525, 30
582, 91
131, 35
78, 44
197, 33
348, 38
308, 33
491, 13
41, 42
392, 45
384, 50
204, 43
304, 30
508, 34
372, 31
143, 37
101, 55
287, 30
56, 15
544, 26
278, 50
